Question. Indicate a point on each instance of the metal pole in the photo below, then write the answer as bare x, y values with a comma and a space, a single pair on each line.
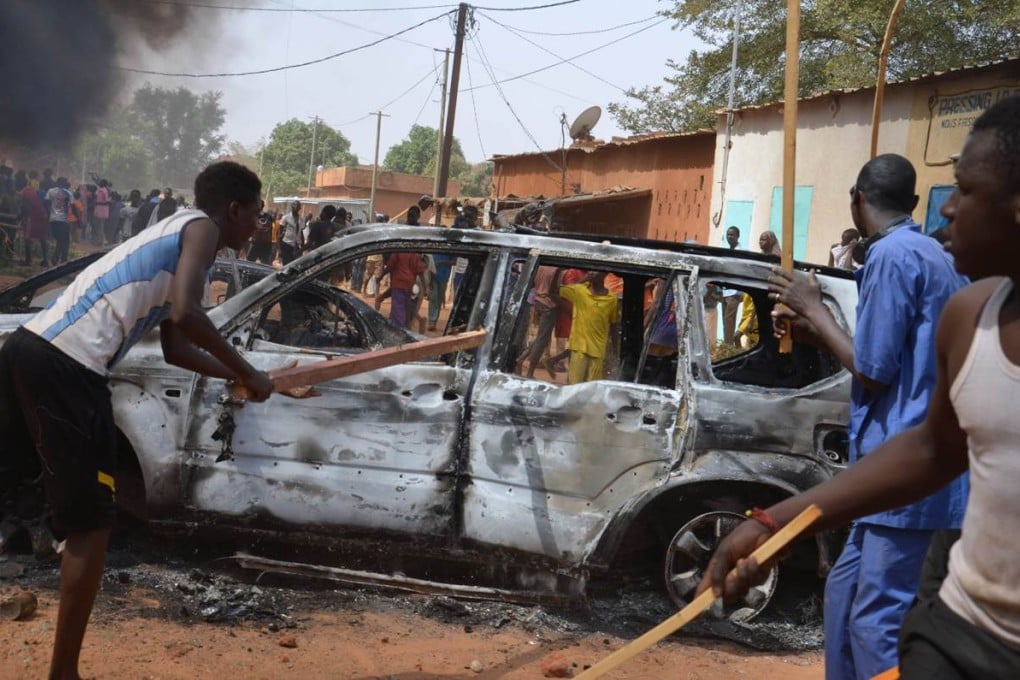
437, 211
458, 51
311, 160
375, 165
729, 112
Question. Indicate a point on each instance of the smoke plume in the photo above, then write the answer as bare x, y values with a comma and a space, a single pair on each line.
61, 60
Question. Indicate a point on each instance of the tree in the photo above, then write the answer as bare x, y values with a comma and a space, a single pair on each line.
840, 44
416, 155
476, 180
181, 130
116, 152
285, 161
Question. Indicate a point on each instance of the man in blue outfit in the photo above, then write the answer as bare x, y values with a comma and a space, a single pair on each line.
906, 280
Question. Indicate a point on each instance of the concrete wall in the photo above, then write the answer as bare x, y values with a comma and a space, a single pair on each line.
925, 121
676, 168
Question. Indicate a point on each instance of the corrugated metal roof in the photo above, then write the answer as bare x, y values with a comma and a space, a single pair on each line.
614, 142
914, 80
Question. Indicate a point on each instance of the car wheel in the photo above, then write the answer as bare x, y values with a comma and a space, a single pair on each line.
688, 554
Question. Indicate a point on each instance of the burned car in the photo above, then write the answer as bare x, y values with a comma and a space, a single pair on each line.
467, 469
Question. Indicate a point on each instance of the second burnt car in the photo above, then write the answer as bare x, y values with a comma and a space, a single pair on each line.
462, 469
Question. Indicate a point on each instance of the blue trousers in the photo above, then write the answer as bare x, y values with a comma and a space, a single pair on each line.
869, 591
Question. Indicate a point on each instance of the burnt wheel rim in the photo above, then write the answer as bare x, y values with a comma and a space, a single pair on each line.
688, 555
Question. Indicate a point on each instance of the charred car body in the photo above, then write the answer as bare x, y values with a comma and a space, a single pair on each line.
525, 482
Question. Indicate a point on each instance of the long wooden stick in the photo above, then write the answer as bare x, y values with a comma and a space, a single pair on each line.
321, 371
883, 59
764, 553
790, 144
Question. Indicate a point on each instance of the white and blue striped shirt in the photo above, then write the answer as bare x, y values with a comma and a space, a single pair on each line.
119, 298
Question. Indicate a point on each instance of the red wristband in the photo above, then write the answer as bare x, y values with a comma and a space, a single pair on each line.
763, 518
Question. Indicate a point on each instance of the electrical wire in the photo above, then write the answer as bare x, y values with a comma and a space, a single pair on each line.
590, 32
576, 56
525, 9
289, 66
474, 109
425, 103
551, 53
204, 5
492, 76
408, 90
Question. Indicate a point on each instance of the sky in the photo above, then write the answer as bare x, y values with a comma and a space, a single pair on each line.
402, 76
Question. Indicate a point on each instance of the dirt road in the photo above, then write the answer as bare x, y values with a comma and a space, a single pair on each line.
129, 639
169, 610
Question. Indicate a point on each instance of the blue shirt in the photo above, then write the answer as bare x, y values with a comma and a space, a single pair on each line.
905, 282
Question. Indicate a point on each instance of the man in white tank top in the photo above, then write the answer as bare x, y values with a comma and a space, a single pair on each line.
972, 629
54, 396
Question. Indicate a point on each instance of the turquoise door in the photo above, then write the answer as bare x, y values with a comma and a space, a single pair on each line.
738, 214
801, 214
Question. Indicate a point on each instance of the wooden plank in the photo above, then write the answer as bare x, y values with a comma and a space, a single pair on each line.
322, 371
790, 144
764, 553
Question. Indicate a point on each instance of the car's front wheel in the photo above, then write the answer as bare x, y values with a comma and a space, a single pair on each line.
688, 554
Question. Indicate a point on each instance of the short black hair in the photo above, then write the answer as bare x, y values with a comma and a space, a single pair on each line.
223, 182
327, 213
1003, 118
341, 213
889, 182
733, 228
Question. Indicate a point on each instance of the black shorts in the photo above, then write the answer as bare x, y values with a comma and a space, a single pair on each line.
937, 644
62, 410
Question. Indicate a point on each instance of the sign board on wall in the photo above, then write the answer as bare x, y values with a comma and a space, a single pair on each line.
951, 117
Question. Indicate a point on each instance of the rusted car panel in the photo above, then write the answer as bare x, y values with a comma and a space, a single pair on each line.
469, 447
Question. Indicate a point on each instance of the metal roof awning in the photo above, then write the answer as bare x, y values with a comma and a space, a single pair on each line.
606, 197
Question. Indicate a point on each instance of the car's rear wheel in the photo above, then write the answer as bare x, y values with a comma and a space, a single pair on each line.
688, 554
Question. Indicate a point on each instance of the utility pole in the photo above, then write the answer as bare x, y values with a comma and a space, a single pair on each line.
458, 51
439, 131
311, 160
375, 166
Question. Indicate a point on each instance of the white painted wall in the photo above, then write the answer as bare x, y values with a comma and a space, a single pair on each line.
833, 142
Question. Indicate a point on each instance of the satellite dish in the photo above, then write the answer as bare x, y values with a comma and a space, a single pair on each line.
581, 128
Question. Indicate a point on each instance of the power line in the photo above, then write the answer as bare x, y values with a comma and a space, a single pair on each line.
576, 56
425, 103
341, 22
525, 9
204, 5
289, 66
590, 32
408, 90
492, 76
474, 108
550, 52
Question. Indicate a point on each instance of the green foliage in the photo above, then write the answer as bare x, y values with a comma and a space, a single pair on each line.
285, 162
180, 129
840, 45
163, 138
416, 155
476, 180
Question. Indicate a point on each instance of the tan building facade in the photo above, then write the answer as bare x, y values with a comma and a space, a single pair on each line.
654, 186
394, 191
925, 119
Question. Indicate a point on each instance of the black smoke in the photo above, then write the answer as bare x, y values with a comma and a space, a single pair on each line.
60, 60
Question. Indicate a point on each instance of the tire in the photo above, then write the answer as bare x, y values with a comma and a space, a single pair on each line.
688, 554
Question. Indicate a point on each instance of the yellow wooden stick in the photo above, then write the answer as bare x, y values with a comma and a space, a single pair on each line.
764, 553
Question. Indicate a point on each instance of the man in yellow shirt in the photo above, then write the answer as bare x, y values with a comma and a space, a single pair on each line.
596, 310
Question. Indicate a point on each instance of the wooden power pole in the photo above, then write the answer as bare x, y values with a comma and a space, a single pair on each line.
458, 52
375, 166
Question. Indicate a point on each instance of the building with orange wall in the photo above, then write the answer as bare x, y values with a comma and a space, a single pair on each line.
394, 191
650, 186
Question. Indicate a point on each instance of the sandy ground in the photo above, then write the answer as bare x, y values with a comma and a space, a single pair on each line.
124, 641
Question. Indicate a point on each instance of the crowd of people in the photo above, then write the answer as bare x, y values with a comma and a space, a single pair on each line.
40, 210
